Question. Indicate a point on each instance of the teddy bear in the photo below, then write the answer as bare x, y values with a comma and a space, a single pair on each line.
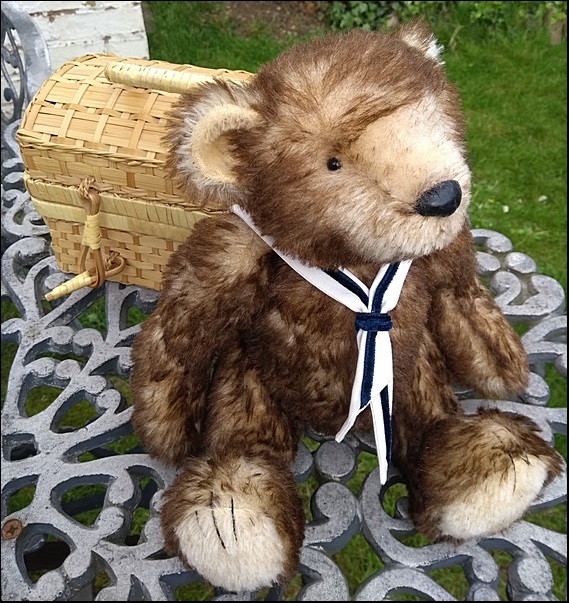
337, 292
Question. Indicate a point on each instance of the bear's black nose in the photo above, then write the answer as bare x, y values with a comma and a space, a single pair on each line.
441, 200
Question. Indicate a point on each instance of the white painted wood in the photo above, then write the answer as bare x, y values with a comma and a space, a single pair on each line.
74, 28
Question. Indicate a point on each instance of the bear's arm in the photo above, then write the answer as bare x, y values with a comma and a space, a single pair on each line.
214, 285
481, 348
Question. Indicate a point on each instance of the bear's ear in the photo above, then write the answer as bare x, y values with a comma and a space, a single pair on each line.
417, 33
202, 158
208, 144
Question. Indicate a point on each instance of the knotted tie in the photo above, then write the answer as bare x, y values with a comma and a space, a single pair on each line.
373, 382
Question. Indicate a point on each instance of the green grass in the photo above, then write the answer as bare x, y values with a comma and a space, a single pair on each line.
515, 100
514, 94
200, 34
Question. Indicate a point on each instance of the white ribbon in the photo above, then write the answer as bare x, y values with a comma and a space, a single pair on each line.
379, 353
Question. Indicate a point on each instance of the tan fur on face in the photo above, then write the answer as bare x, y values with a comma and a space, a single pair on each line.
404, 154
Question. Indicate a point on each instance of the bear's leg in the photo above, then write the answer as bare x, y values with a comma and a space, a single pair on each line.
233, 513
469, 476
478, 474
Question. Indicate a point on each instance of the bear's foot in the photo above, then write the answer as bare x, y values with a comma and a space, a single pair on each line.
239, 524
479, 474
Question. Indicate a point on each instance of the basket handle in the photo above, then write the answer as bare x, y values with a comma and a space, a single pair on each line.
91, 242
138, 76
166, 80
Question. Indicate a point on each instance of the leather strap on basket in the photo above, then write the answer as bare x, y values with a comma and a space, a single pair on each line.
91, 244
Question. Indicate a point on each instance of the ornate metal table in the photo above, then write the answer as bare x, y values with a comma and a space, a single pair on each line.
80, 498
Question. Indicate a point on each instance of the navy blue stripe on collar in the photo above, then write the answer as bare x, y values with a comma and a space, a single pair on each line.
349, 284
386, 421
382, 287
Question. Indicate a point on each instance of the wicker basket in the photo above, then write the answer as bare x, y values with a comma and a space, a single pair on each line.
86, 139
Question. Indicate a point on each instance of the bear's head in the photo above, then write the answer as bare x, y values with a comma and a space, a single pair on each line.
347, 149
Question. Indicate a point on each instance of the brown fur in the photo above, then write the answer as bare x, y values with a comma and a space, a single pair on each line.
242, 354
444, 472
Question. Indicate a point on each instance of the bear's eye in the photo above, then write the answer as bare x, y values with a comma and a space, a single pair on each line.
334, 164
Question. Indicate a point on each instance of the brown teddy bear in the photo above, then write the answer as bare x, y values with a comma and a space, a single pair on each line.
339, 293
